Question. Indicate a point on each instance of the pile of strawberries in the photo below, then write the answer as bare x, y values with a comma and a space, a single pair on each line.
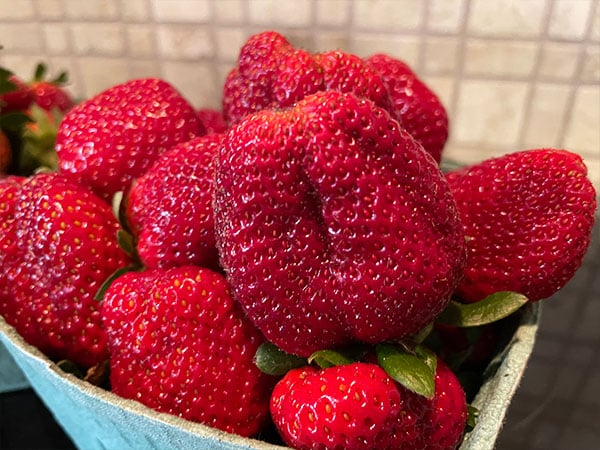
297, 261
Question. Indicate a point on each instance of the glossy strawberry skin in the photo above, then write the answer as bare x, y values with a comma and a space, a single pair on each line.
422, 113
63, 248
212, 120
334, 225
181, 345
528, 217
48, 95
358, 406
272, 73
169, 208
115, 136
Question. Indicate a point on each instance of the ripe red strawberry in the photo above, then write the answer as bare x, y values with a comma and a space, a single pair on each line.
528, 218
422, 112
271, 73
15, 94
358, 406
60, 249
181, 345
114, 137
212, 120
169, 208
333, 224
5, 153
50, 94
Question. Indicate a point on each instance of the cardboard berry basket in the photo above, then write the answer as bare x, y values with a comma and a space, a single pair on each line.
97, 419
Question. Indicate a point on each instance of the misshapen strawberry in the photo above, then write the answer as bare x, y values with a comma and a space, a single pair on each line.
60, 247
528, 218
181, 345
333, 224
358, 406
272, 73
169, 208
115, 136
422, 112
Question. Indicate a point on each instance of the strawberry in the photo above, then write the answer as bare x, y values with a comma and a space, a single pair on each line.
272, 73
114, 137
358, 406
212, 120
5, 153
15, 94
333, 224
176, 229
528, 217
421, 111
181, 345
59, 248
50, 94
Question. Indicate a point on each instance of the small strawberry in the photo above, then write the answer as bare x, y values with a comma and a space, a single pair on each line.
528, 217
5, 153
59, 248
169, 208
114, 137
50, 94
212, 120
334, 225
272, 73
15, 94
181, 345
358, 406
422, 112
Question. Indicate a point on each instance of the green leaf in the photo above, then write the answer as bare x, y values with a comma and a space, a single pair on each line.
126, 242
60, 79
14, 121
69, 366
5, 84
427, 356
423, 334
472, 417
329, 358
116, 274
491, 309
40, 72
271, 360
410, 370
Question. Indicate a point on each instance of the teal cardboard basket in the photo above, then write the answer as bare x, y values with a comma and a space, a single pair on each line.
98, 419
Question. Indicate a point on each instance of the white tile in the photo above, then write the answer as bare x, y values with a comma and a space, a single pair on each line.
558, 61
49, 9
445, 16
20, 37
441, 55
229, 11
144, 68
595, 34
21, 65
500, 58
56, 37
583, 133
388, 14
506, 18
443, 87
100, 73
569, 18
196, 11
141, 40
271, 12
92, 9
333, 12
229, 41
195, 82
490, 112
22, 11
86, 41
135, 10
405, 48
590, 72
179, 41
547, 113
334, 40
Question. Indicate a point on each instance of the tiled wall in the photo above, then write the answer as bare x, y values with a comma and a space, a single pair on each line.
514, 74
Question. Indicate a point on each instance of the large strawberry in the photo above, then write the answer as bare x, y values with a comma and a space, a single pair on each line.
169, 208
181, 345
334, 224
422, 112
114, 137
358, 406
272, 73
528, 218
59, 248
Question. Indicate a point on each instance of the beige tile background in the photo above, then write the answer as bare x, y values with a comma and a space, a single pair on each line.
513, 74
